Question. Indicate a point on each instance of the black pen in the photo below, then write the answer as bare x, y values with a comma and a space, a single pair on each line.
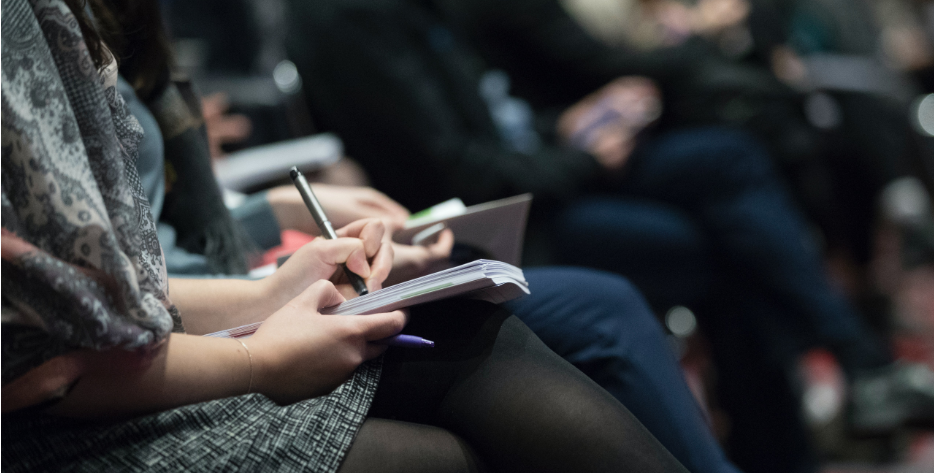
323, 223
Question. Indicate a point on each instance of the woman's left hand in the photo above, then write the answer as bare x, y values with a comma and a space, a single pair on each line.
412, 261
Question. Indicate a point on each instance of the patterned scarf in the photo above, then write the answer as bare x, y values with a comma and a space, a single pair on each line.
81, 265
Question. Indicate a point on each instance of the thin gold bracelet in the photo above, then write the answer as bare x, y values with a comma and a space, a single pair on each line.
249, 389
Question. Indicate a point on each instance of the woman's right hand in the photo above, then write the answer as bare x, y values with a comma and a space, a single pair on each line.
298, 353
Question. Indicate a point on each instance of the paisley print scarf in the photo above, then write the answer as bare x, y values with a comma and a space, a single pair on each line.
81, 265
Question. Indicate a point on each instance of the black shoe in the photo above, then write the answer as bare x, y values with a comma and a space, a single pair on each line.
899, 395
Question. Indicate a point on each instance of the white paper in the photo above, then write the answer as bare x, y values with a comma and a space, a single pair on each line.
493, 281
267, 163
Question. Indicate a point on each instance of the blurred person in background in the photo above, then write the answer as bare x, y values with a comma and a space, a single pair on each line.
87, 315
597, 321
850, 144
693, 214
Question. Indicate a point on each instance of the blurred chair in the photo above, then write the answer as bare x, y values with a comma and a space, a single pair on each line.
237, 47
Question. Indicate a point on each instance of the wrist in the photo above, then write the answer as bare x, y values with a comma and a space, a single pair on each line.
278, 199
252, 371
270, 294
263, 368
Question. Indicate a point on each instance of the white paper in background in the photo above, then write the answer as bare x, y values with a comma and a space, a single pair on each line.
243, 169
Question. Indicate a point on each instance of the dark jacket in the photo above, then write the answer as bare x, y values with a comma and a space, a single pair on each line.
402, 92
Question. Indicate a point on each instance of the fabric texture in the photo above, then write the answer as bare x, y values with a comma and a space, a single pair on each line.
194, 205
82, 267
254, 216
601, 324
245, 433
716, 232
150, 164
520, 406
440, 132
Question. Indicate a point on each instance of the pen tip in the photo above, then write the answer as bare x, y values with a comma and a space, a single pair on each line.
293, 172
429, 344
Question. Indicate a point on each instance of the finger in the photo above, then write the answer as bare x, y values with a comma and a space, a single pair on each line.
381, 266
232, 128
380, 326
349, 251
393, 224
441, 248
378, 199
358, 263
370, 230
347, 290
321, 294
372, 235
354, 228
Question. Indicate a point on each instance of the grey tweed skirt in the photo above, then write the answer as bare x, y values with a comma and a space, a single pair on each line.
245, 433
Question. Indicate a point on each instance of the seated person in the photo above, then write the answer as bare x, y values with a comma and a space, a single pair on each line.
436, 116
98, 374
596, 321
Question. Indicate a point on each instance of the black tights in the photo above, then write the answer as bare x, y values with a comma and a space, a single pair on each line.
492, 397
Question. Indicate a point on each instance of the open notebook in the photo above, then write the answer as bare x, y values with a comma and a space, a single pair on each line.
488, 280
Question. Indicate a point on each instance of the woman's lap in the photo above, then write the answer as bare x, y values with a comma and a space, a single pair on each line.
249, 432
492, 382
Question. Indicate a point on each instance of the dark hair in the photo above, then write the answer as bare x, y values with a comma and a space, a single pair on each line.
89, 31
134, 33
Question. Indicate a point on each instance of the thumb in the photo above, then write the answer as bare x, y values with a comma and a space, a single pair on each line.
442, 248
380, 326
348, 250
321, 294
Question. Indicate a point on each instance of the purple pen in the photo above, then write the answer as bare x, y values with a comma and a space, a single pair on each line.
409, 341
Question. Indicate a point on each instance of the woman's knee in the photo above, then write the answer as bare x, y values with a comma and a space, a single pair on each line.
388, 446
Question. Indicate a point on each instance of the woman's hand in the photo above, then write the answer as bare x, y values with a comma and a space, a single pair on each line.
209, 305
377, 240
296, 354
223, 127
343, 205
347, 204
364, 246
299, 353
412, 261
607, 123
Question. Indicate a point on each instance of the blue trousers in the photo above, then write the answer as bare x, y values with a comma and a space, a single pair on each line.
701, 219
601, 324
